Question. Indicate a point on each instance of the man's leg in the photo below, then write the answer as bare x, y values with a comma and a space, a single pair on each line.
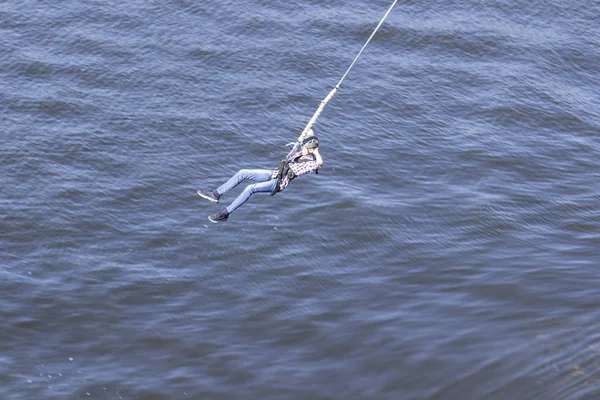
263, 187
265, 184
256, 175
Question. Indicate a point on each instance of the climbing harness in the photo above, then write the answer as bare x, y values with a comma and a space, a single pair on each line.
295, 157
284, 170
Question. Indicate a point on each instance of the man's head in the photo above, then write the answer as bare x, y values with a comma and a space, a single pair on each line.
310, 144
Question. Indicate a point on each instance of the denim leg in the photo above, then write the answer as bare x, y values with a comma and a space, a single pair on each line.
257, 175
266, 187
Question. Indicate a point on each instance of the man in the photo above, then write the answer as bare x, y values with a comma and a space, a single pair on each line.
299, 161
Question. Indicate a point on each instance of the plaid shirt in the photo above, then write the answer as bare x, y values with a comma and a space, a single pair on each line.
302, 165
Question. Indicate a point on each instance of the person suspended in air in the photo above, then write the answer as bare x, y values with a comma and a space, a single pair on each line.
303, 159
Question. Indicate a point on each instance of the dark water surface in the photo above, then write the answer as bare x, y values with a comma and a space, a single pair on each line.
449, 249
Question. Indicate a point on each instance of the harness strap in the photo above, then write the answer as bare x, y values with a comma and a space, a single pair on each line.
284, 170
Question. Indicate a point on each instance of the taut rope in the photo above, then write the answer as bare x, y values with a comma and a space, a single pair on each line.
313, 120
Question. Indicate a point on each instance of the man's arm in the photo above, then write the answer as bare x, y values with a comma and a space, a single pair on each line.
319, 159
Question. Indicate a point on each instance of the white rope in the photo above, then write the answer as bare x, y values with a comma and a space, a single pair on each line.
313, 120
365, 45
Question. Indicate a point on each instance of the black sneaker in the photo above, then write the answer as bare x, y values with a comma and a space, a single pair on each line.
218, 217
208, 195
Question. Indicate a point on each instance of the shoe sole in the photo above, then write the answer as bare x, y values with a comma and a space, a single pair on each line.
206, 197
214, 221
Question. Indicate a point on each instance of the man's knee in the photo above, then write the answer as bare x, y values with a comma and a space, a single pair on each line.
250, 189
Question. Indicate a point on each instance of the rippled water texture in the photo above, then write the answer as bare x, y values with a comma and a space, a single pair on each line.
447, 250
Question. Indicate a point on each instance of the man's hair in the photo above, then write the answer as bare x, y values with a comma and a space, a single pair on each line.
311, 142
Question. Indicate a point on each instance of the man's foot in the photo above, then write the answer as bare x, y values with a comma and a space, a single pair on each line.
218, 217
208, 195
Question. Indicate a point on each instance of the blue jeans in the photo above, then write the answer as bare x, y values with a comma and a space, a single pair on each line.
262, 176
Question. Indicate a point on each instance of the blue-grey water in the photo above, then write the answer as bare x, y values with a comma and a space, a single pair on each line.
449, 248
